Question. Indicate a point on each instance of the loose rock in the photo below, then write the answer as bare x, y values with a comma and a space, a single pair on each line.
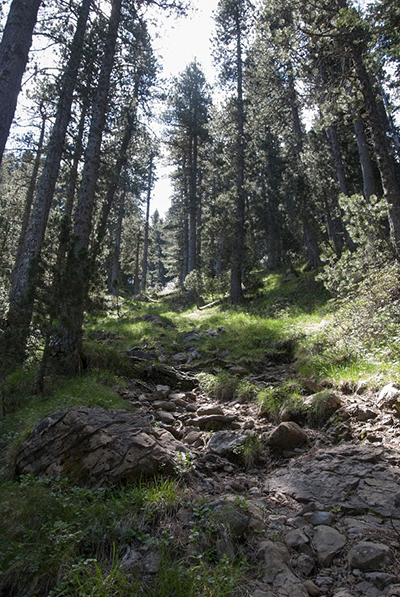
366, 555
226, 443
328, 542
287, 435
388, 396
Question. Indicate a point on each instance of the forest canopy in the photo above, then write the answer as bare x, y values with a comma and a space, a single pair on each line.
292, 166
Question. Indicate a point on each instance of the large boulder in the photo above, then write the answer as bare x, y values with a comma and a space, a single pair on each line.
97, 447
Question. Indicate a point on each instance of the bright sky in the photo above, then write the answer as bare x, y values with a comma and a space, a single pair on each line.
178, 43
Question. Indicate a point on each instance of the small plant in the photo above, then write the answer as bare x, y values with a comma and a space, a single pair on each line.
222, 386
183, 463
158, 495
285, 399
89, 578
246, 391
250, 451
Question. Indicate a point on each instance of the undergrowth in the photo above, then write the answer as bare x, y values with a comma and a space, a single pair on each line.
59, 540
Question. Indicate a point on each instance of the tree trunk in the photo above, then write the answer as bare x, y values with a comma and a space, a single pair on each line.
136, 288
65, 228
273, 242
14, 49
301, 184
390, 185
218, 263
25, 280
143, 282
67, 337
365, 160
114, 279
193, 204
116, 175
391, 123
30, 195
236, 291
333, 140
185, 246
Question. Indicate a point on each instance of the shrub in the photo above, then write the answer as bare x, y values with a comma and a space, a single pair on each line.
284, 400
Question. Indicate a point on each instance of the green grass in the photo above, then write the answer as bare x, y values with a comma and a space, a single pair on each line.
176, 578
287, 397
61, 540
48, 527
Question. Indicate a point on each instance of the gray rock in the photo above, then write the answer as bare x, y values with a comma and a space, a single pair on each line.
97, 447
365, 589
277, 572
296, 539
210, 410
365, 414
162, 392
210, 422
312, 588
343, 592
319, 517
287, 435
324, 581
328, 542
152, 561
180, 357
191, 336
192, 437
164, 405
393, 591
367, 555
153, 319
388, 396
191, 408
178, 397
164, 417
305, 564
226, 443
266, 591
131, 559
381, 579
322, 405
351, 477
230, 517
257, 516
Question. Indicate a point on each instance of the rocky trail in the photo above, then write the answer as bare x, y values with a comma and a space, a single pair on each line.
315, 509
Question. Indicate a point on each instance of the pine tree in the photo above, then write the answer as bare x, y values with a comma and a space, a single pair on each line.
14, 49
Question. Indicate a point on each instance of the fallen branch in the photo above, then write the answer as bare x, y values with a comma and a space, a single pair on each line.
217, 302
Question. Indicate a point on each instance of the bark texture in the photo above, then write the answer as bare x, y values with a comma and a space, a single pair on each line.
25, 276
14, 49
236, 291
66, 341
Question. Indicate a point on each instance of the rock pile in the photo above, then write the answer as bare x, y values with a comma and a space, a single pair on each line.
315, 510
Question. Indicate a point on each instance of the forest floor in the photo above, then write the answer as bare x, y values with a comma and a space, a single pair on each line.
289, 484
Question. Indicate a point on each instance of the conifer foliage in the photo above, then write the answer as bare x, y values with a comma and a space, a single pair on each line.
302, 124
